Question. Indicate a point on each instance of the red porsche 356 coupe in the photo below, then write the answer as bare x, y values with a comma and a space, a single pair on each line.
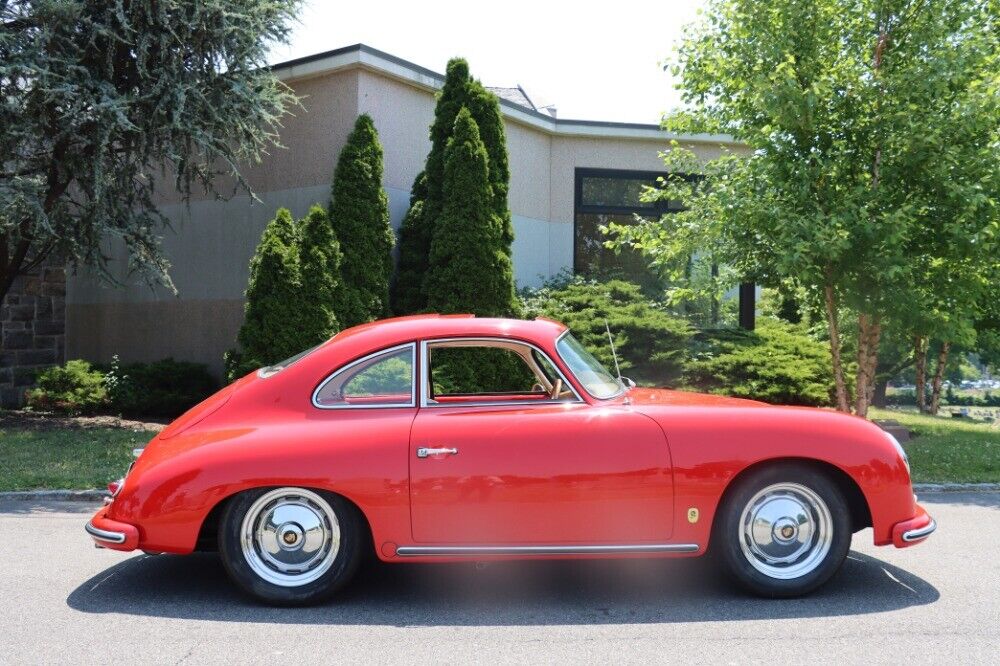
295, 471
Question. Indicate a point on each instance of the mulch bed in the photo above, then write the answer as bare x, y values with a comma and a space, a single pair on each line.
25, 420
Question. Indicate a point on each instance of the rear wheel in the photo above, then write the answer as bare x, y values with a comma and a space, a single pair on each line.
290, 546
783, 531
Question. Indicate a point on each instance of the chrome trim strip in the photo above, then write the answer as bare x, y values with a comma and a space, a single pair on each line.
920, 533
425, 372
104, 535
472, 551
380, 352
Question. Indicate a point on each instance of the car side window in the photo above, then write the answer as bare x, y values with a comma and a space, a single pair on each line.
487, 371
383, 379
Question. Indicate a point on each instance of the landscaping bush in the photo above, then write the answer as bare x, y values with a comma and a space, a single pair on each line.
73, 388
651, 343
164, 388
777, 363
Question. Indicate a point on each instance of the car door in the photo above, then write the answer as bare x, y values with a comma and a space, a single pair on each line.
543, 472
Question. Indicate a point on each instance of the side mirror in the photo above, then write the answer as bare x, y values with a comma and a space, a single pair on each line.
628, 382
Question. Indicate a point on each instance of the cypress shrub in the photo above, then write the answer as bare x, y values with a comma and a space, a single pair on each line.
414, 248
320, 263
359, 213
460, 91
291, 295
469, 269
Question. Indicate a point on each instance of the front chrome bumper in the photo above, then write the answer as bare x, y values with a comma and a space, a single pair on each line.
921, 533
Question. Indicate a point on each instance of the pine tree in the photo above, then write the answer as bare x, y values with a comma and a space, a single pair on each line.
359, 213
270, 328
470, 269
320, 260
460, 90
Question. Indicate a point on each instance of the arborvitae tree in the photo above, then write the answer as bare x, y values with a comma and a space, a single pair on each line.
270, 330
470, 270
460, 90
414, 248
320, 261
359, 213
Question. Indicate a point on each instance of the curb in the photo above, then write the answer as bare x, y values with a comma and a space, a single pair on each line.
93, 495
96, 495
956, 487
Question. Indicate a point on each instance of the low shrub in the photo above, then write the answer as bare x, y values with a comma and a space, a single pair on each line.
164, 388
73, 388
651, 343
777, 363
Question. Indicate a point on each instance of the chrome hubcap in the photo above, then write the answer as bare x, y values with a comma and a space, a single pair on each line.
290, 536
785, 531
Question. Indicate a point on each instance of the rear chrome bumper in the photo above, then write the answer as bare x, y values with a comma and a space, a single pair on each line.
108, 533
913, 531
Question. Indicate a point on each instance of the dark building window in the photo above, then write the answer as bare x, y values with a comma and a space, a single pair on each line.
604, 196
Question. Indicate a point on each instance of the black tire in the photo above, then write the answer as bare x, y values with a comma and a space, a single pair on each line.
738, 548
337, 573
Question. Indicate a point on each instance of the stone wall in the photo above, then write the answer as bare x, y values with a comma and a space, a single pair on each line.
32, 330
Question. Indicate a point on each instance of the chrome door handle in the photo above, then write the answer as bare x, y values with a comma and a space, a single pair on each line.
423, 452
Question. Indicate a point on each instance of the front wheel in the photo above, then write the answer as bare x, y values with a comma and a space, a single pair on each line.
290, 546
783, 531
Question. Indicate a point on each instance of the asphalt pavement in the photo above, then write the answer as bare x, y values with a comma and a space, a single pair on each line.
66, 602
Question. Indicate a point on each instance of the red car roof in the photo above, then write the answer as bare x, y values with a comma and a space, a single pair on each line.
387, 332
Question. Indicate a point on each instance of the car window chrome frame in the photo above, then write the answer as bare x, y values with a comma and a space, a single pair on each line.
412, 346
425, 374
621, 388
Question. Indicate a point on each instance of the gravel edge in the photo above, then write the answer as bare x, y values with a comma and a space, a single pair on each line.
96, 495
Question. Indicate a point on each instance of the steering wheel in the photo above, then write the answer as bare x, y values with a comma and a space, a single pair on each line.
556, 389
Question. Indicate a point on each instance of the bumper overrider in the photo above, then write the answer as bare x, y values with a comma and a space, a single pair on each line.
913, 531
112, 534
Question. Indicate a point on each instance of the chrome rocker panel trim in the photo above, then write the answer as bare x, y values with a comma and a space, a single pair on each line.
472, 551
104, 535
920, 533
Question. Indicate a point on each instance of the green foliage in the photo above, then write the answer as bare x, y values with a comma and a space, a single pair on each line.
872, 171
166, 388
291, 295
480, 370
460, 91
651, 343
470, 271
73, 388
777, 363
319, 261
108, 105
394, 375
359, 212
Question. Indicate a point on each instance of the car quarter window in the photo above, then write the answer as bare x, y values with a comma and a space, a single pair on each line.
383, 379
491, 371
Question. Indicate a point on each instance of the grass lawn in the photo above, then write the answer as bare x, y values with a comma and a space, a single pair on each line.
946, 449
70, 458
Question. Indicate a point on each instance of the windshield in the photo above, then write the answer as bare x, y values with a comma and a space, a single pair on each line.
588, 370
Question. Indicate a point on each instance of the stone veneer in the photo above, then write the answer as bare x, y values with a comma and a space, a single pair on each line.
32, 330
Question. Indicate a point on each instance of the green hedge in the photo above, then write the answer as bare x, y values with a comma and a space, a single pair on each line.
73, 388
650, 341
777, 363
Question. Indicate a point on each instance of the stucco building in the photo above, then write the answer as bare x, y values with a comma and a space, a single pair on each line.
566, 177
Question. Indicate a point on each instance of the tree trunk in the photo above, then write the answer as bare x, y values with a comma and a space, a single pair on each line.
942, 360
879, 399
843, 404
920, 364
869, 332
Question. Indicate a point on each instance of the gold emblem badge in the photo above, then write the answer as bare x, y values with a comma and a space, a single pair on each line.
692, 515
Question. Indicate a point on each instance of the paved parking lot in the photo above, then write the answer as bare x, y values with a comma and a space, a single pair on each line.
66, 602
